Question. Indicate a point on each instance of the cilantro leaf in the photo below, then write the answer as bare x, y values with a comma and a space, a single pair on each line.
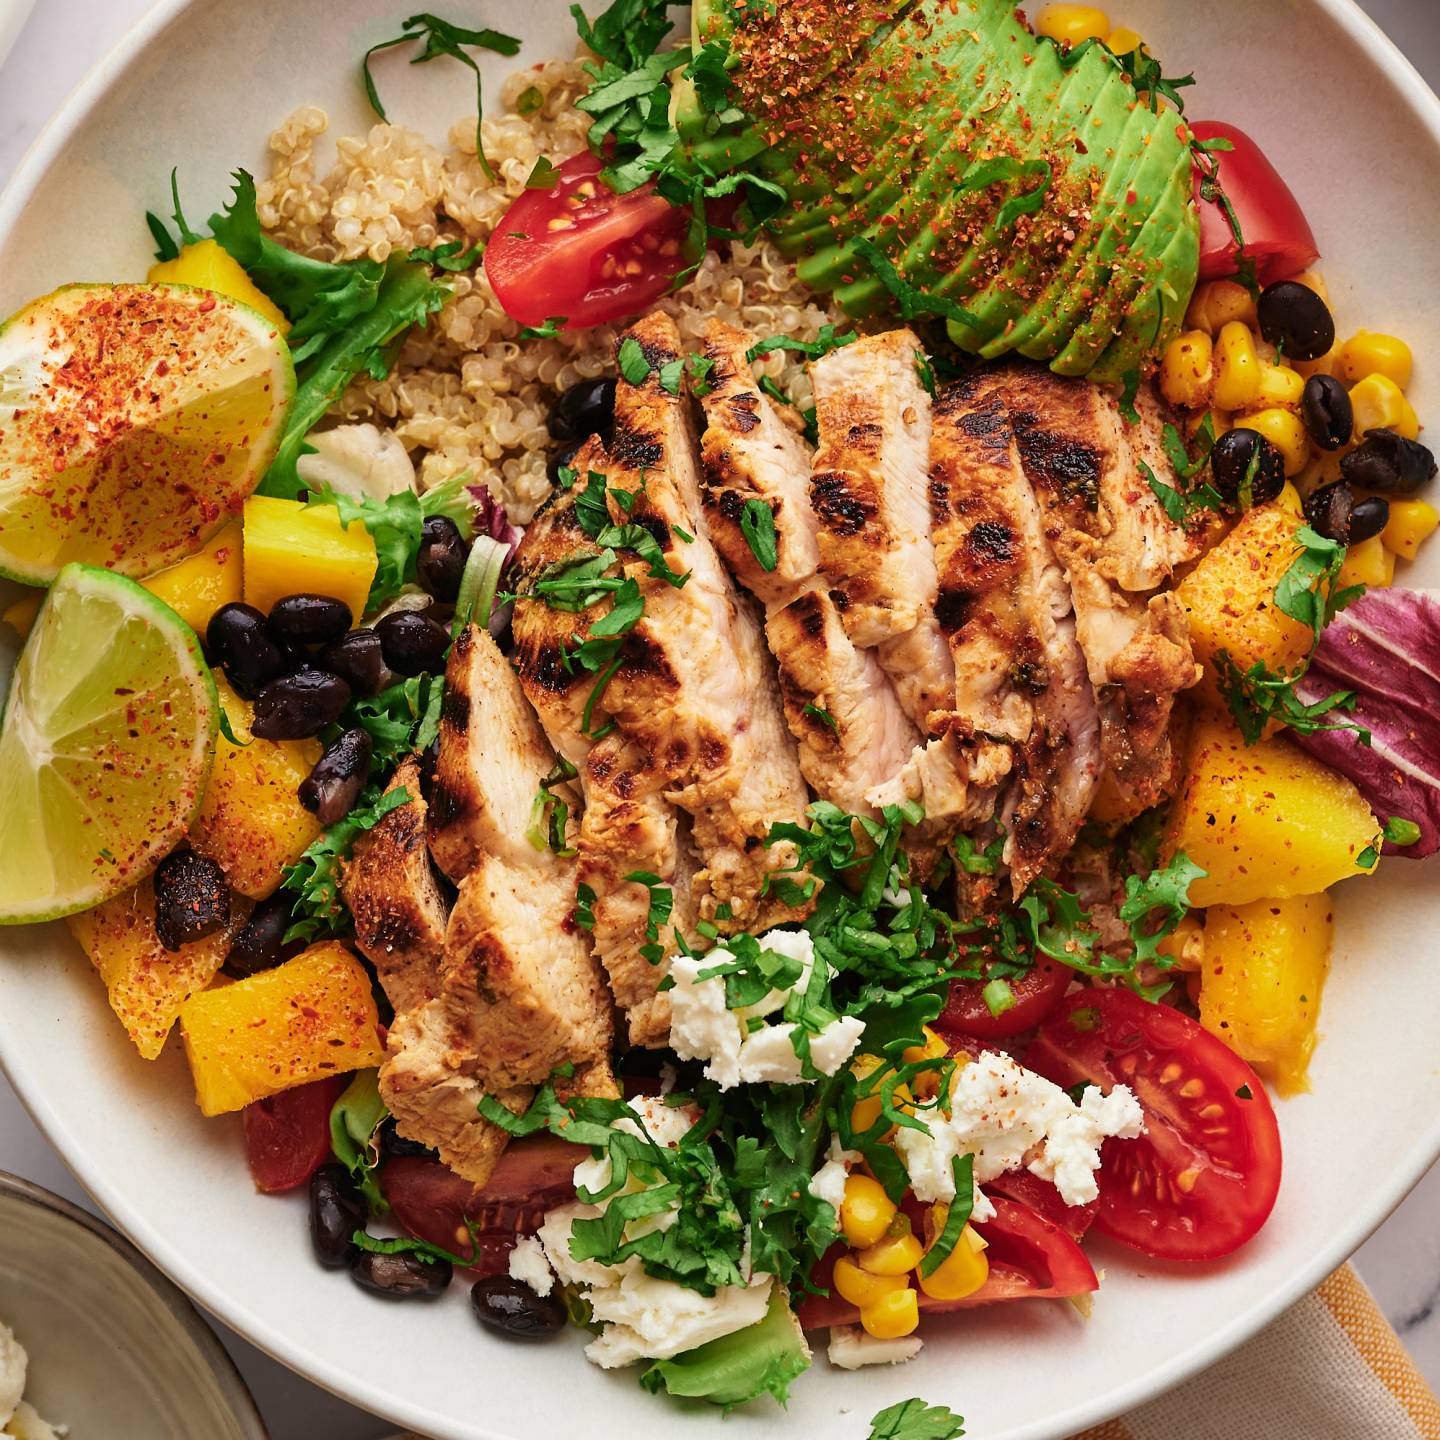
826, 341
633, 364
911, 301
757, 525
1182, 506
443, 37
915, 1420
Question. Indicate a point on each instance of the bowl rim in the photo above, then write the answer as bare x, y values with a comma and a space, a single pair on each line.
1424, 107
226, 1374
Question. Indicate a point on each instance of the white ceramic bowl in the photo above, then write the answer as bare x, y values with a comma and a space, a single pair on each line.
13, 14
1358, 135
115, 1349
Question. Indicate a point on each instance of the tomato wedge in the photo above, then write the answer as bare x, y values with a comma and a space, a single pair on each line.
1036, 993
1042, 1197
1203, 1178
431, 1201
581, 252
287, 1136
1277, 235
1031, 1258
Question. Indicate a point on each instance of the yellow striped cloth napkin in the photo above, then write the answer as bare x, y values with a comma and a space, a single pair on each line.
1330, 1368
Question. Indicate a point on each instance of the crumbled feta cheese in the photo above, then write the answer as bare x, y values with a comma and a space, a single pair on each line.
701, 1028
1006, 1117
650, 1319
850, 1348
529, 1266
13, 1364
828, 1182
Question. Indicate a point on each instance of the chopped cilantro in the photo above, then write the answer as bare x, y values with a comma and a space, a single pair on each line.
633, 364
915, 1420
826, 341
543, 176
757, 525
815, 712
548, 331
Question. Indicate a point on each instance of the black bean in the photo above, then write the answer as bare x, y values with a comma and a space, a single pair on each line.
1240, 453
513, 1308
238, 640
330, 790
309, 619
393, 1144
1295, 318
1329, 509
192, 898
440, 561
337, 1211
586, 408
402, 1277
560, 459
260, 944
1369, 517
1328, 414
412, 643
357, 658
300, 705
1388, 461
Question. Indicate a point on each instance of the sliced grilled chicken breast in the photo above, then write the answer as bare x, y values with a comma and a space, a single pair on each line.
390, 888
1006, 607
749, 456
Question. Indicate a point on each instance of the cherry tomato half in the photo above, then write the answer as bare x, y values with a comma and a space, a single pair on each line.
582, 252
287, 1136
433, 1202
1031, 1258
1036, 994
1203, 1178
1277, 235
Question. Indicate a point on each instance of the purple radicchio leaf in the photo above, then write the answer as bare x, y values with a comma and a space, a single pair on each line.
1386, 648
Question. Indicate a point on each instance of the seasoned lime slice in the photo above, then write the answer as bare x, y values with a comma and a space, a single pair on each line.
106, 744
134, 421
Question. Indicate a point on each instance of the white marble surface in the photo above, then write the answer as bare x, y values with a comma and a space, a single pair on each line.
61, 41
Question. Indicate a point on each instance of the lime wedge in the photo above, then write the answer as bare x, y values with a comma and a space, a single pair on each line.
134, 421
106, 744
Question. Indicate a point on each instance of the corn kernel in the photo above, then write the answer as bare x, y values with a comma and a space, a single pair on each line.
893, 1315
1237, 368
866, 1111
962, 1272
897, 1252
1411, 523
860, 1287
934, 1048
1365, 353
1123, 40
1285, 430
1279, 385
1188, 370
1378, 401
865, 1212
1369, 563
1070, 24
1218, 303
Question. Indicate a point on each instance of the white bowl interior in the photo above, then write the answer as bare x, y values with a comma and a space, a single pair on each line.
114, 1349
1358, 138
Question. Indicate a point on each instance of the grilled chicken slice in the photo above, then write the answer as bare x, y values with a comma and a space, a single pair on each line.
1107, 528
839, 704
629, 829
492, 760
1005, 606
390, 888
439, 1109
749, 456
695, 690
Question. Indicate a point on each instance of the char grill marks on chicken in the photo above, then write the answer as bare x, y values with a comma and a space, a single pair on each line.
518, 991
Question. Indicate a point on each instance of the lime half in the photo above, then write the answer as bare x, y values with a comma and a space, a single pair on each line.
108, 734
134, 421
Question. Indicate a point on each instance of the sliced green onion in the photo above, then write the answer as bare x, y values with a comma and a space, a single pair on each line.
478, 583
999, 997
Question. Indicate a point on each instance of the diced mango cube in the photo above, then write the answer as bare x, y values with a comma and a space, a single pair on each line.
1367, 563
1264, 820
251, 822
291, 547
209, 266
1411, 523
147, 983
1264, 971
198, 586
310, 1017
1229, 598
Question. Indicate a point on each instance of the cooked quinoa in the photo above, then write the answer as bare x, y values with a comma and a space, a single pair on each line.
468, 394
